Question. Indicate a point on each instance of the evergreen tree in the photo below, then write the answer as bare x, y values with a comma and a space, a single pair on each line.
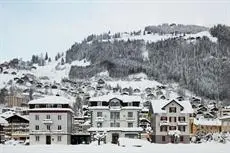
46, 56
62, 61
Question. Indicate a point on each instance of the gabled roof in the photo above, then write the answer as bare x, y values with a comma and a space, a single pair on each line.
158, 105
12, 117
173, 101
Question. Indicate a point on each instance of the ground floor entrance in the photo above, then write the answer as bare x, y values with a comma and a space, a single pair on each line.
48, 139
115, 137
80, 139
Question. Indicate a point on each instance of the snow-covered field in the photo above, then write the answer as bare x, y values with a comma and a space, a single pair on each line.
109, 148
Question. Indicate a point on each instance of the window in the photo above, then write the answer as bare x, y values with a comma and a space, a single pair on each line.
36, 117
163, 138
36, 127
36, 106
59, 117
48, 127
114, 115
99, 124
181, 119
163, 118
181, 128
59, 127
59, 106
99, 114
130, 114
172, 119
47, 116
48, 106
172, 109
114, 102
130, 104
163, 128
172, 128
59, 138
181, 138
37, 138
130, 124
114, 124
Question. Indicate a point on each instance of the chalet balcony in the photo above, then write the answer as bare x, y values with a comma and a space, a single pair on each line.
100, 119
47, 121
164, 122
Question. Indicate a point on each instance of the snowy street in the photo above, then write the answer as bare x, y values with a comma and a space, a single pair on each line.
93, 148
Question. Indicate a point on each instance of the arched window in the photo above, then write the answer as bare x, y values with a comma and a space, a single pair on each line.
114, 103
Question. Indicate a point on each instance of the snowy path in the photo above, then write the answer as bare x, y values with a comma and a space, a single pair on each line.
108, 148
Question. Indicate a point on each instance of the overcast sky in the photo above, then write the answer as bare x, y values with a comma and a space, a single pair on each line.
33, 26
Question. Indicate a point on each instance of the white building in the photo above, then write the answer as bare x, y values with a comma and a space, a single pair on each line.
115, 115
50, 120
170, 121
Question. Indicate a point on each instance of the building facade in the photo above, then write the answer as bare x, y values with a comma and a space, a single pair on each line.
170, 121
50, 120
225, 123
115, 116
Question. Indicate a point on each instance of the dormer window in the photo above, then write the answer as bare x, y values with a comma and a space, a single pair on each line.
48, 106
59, 106
115, 103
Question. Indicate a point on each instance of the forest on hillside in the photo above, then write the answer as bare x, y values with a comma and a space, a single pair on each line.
199, 65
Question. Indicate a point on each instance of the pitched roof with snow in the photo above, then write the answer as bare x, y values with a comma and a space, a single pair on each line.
124, 98
158, 105
51, 100
3, 121
207, 122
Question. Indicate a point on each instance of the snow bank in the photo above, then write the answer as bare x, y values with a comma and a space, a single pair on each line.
127, 142
109, 148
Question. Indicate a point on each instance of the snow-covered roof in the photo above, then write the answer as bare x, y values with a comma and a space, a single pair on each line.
124, 98
51, 100
132, 129
7, 114
51, 109
157, 105
3, 121
225, 117
209, 122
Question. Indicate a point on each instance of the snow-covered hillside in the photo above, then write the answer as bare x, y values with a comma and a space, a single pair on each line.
51, 72
156, 37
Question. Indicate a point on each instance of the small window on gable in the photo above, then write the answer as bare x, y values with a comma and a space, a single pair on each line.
172, 109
